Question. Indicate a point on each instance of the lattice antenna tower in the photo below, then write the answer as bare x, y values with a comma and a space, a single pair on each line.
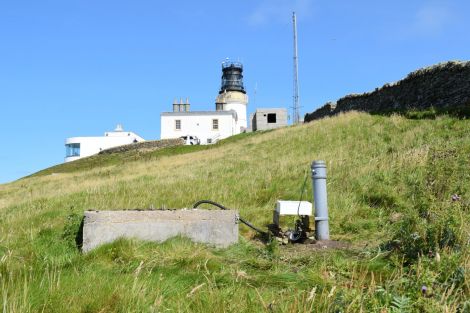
295, 104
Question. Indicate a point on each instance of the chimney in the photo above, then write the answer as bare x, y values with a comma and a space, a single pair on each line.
181, 106
186, 106
175, 106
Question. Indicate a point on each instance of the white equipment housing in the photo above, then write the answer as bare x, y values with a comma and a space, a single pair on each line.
302, 208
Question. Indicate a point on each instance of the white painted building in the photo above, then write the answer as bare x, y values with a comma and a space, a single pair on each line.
80, 147
208, 127
228, 119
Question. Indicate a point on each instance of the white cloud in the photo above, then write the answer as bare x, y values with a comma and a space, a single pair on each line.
279, 11
431, 20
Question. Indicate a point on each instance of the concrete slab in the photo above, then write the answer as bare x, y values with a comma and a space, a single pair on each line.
215, 227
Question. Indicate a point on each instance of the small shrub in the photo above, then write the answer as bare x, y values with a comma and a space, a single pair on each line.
416, 236
465, 307
401, 304
73, 230
422, 114
272, 249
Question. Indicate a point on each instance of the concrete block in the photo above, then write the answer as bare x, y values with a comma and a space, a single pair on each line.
260, 118
215, 227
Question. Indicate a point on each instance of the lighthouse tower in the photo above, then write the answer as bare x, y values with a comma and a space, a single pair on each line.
232, 95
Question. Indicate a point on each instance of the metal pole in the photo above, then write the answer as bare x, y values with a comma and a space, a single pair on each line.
295, 105
322, 231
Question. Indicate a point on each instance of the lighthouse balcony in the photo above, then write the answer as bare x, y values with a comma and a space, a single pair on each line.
228, 64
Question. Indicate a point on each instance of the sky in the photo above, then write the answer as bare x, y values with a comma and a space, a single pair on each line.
79, 67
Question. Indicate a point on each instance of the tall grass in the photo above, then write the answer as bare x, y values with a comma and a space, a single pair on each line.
390, 183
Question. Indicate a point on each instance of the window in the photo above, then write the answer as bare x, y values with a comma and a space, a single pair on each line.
72, 150
219, 106
271, 118
178, 124
215, 124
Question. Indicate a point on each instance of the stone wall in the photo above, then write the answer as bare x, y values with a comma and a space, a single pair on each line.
145, 145
445, 87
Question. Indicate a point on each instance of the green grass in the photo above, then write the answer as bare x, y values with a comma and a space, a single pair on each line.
390, 183
113, 159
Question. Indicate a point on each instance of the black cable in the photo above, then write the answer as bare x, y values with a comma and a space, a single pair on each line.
252, 226
220, 206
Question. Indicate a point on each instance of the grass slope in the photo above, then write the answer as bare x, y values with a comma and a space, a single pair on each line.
390, 185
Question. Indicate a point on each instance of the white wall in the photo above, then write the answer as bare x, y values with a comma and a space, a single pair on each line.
93, 145
236, 101
197, 125
240, 108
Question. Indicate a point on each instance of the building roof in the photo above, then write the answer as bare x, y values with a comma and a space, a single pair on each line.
199, 113
270, 109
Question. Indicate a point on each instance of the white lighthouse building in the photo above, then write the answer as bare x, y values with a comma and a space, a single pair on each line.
228, 119
80, 147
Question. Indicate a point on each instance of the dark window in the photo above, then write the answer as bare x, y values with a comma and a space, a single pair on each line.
72, 150
271, 117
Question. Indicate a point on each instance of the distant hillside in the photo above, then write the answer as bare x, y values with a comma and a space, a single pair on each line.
442, 88
398, 192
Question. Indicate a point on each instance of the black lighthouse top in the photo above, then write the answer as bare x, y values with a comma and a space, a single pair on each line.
232, 77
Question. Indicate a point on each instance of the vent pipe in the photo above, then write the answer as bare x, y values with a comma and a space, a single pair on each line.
322, 231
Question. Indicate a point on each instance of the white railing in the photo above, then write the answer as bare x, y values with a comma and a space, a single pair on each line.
214, 139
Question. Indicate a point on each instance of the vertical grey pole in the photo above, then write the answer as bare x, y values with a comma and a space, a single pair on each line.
322, 231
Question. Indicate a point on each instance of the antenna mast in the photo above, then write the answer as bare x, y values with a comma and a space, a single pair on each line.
295, 106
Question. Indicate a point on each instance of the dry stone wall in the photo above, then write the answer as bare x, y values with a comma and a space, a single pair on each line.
444, 87
145, 145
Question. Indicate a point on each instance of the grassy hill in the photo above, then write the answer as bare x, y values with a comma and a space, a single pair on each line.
391, 182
